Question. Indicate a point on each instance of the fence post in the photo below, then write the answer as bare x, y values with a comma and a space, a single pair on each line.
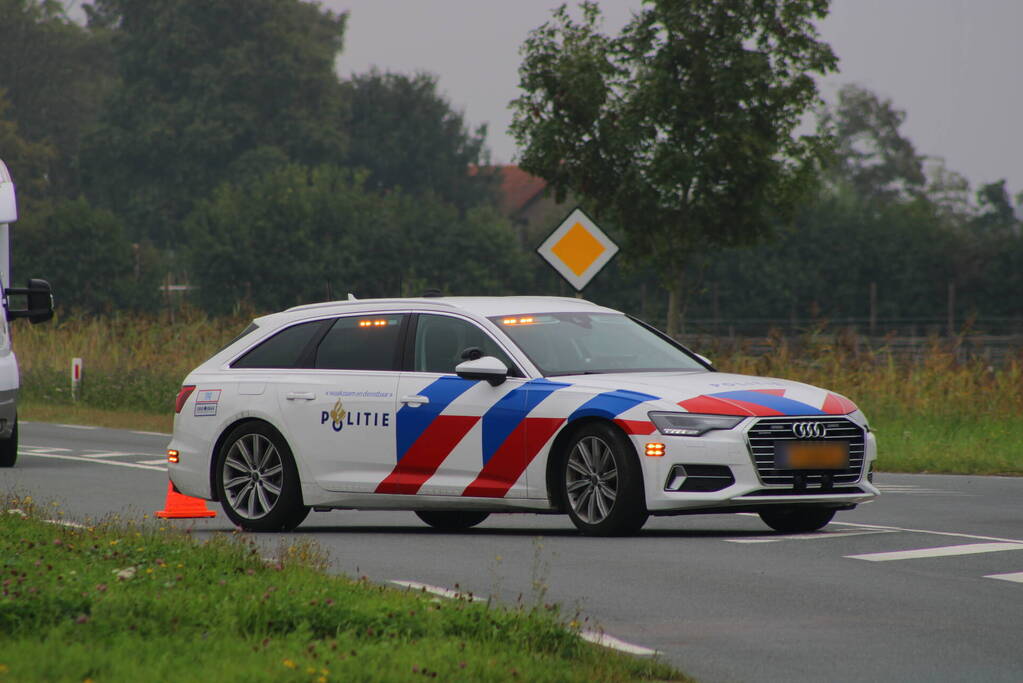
951, 308
873, 309
76, 377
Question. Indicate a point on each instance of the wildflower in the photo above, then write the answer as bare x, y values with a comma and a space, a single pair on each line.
290, 664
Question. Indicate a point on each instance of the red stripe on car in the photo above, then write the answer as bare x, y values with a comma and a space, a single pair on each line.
838, 405
513, 457
641, 427
427, 453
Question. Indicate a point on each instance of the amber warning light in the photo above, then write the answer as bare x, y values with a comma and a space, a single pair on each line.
518, 321
172, 455
373, 323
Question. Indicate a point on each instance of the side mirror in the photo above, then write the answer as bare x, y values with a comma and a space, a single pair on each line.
40, 302
487, 367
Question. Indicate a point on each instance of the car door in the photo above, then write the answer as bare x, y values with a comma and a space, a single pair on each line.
459, 437
339, 411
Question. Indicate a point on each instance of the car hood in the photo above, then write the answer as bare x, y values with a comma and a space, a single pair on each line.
719, 393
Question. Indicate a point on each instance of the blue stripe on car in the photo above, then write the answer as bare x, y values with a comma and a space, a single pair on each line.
785, 406
504, 416
610, 404
411, 421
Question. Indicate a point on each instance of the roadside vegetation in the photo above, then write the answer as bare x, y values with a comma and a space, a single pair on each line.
132, 601
932, 412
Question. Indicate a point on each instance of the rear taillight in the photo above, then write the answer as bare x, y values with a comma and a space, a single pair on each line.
183, 395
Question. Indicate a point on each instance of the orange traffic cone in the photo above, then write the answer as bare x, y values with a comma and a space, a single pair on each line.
180, 506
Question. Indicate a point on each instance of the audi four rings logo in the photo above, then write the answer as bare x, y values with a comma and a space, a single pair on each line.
810, 430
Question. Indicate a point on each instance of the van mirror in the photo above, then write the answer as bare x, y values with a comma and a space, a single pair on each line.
40, 302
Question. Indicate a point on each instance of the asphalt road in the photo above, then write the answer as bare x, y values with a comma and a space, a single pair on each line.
926, 584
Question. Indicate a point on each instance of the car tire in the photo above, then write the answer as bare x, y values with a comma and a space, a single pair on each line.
452, 520
797, 520
9, 447
257, 481
601, 483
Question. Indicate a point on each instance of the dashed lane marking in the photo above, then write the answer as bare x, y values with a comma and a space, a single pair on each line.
597, 637
815, 536
944, 551
437, 590
151, 433
605, 640
1016, 577
953, 534
82, 458
76, 426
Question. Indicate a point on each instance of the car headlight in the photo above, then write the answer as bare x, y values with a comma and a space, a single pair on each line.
691, 424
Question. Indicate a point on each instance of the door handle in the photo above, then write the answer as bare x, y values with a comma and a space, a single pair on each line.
300, 396
415, 401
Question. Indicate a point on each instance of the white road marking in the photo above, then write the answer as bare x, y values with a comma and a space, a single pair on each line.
151, 433
929, 531
64, 522
945, 551
918, 490
157, 461
816, 536
108, 454
80, 458
76, 426
1016, 577
41, 449
598, 637
616, 644
437, 590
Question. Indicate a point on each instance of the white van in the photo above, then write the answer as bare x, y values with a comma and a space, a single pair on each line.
38, 308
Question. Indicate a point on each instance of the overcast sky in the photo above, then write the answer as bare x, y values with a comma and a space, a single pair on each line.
954, 66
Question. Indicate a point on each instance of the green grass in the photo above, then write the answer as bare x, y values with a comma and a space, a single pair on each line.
131, 601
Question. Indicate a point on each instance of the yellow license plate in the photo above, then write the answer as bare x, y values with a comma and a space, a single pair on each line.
811, 455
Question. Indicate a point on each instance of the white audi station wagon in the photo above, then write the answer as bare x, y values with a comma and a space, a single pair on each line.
459, 407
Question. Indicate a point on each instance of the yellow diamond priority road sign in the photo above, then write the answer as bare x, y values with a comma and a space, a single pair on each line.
578, 249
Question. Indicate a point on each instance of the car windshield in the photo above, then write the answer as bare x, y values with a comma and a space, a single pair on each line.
588, 343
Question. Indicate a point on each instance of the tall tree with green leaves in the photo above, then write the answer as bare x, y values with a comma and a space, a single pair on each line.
55, 74
871, 152
408, 136
680, 130
208, 90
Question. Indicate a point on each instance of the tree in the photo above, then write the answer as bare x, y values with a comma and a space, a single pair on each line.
871, 153
55, 73
297, 235
679, 130
84, 253
203, 84
407, 136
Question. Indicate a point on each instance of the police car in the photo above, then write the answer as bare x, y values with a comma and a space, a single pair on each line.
459, 407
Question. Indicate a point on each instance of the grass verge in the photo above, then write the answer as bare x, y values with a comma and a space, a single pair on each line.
62, 413
130, 601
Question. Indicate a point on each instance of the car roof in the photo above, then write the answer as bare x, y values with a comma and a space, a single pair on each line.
486, 306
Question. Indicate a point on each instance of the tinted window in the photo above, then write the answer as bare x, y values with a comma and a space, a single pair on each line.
441, 341
361, 343
283, 350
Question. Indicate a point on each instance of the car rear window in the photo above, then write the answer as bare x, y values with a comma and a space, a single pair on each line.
367, 342
282, 350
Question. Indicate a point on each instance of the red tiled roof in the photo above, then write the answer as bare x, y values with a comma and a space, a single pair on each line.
517, 189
